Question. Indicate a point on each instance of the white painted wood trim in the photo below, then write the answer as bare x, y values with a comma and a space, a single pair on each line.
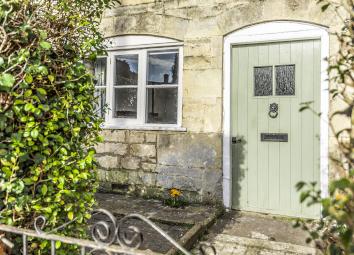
141, 45
139, 41
148, 127
274, 31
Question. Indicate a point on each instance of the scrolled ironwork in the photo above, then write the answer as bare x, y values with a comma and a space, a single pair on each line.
103, 233
39, 224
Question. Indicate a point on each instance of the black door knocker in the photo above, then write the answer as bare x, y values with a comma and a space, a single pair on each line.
273, 110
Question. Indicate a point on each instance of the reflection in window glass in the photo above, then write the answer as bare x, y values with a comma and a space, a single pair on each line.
263, 81
100, 71
285, 80
127, 70
125, 103
162, 105
163, 68
100, 95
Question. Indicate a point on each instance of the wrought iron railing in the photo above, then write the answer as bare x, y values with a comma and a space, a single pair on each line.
105, 234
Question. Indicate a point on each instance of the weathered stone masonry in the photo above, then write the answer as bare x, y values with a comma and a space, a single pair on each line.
149, 163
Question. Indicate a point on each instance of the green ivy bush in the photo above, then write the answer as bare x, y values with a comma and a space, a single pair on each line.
48, 125
334, 232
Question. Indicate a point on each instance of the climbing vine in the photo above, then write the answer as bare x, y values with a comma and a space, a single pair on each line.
48, 125
334, 233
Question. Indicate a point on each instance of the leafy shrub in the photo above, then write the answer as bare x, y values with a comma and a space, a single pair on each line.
48, 125
334, 232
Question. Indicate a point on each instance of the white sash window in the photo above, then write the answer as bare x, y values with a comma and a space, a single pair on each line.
141, 83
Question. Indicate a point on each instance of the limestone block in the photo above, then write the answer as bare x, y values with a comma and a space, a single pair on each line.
123, 24
178, 14
106, 26
136, 2
131, 163
135, 178
136, 137
202, 28
197, 47
114, 148
193, 116
148, 179
213, 117
149, 160
190, 150
338, 105
340, 122
172, 23
199, 62
149, 22
114, 135
183, 178
118, 176
101, 175
150, 138
184, 183
212, 184
143, 150
108, 161
148, 167
202, 83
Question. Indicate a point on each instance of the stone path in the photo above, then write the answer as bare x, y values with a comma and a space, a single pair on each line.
185, 224
234, 233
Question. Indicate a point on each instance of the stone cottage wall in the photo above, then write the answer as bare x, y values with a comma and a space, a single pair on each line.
151, 162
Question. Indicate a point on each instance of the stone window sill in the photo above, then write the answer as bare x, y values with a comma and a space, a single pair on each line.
146, 127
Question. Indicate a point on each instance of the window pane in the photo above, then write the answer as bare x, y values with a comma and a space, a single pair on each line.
100, 102
100, 72
285, 80
127, 70
162, 105
125, 102
263, 81
163, 68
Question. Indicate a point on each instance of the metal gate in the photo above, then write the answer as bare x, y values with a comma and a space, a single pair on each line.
104, 234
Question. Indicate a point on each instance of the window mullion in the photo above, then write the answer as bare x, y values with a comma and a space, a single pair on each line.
109, 87
142, 86
180, 88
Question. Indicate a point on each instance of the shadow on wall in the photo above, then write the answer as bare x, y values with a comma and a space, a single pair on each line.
238, 170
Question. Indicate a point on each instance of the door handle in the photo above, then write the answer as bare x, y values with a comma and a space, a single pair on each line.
236, 140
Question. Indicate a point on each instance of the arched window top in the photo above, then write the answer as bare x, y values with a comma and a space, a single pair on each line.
139, 41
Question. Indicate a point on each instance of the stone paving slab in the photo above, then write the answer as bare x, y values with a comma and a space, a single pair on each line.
156, 210
185, 224
256, 234
235, 245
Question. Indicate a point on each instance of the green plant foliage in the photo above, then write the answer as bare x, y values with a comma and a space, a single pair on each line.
334, 232
48, 125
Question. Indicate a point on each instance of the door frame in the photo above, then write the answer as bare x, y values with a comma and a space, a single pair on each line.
274, 31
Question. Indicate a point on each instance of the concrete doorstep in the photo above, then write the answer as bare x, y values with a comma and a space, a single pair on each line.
236, 233
235, 245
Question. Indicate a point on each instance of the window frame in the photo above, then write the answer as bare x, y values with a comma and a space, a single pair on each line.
140, 121
274, 82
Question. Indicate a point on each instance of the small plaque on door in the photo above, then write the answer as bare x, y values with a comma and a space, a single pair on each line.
274, 137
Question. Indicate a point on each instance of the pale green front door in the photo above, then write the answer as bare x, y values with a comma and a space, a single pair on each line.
274, 145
